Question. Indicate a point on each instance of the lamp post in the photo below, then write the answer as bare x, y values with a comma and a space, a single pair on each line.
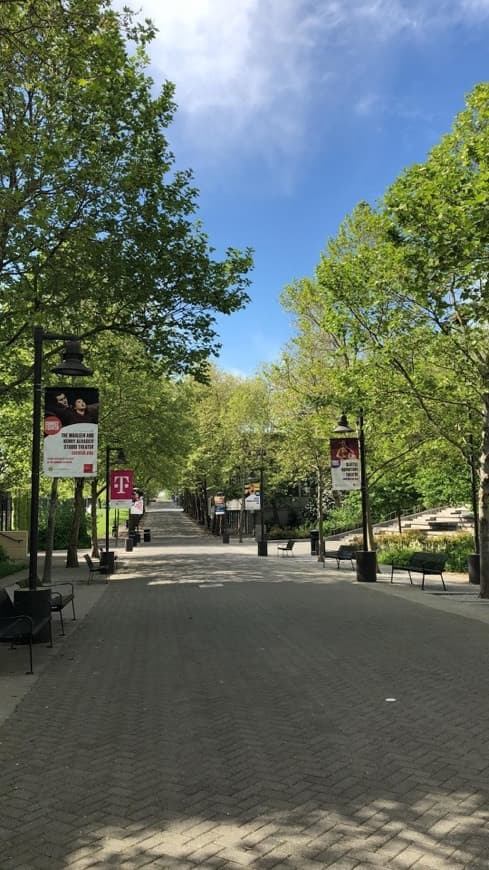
262, 543
366, 559
72, 365
107, 558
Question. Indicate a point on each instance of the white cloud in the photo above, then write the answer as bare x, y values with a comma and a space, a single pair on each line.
249, 71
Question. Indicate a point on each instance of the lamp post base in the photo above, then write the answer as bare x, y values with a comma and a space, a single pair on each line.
35, 603
107, 561
474, 569
263, 548
366, 566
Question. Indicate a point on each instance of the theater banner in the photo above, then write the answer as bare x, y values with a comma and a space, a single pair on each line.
70, 432
345, 464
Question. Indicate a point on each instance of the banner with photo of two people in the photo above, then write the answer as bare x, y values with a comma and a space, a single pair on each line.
70, 431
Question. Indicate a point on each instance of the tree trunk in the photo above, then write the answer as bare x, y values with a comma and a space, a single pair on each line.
93, 519
484, 504
72, 554
53, 504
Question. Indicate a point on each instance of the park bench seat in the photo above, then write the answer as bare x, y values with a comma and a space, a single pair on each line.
286, 549
59, 600
424, 564
17, 627
344, 553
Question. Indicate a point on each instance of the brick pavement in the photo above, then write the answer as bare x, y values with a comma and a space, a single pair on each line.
219, 710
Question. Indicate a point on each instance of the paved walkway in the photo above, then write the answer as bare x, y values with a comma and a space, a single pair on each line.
216, 709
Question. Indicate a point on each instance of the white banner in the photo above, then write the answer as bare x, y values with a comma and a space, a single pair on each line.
70, 432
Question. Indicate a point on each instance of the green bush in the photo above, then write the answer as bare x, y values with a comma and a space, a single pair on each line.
398, 548
9, 566
64, 515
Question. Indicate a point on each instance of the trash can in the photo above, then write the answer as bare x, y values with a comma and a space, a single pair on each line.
225, 537
147, 535
474, 569
366, 566
107, 561
314, 535
129, 545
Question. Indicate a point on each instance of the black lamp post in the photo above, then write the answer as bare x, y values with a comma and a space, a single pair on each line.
366, 559
107, 558
262, 543
72, 366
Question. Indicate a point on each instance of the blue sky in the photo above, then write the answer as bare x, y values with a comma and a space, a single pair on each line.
292, 111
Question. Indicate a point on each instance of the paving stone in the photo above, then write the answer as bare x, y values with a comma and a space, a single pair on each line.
246, 725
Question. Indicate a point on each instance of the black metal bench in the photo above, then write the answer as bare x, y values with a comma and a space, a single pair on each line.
59, 600
286, 549
96, 569
17, 627
425, 564
344, 553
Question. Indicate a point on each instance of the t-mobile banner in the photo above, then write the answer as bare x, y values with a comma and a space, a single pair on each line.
70, 431
121, 487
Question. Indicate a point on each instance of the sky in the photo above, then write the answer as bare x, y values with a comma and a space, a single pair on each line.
290, 112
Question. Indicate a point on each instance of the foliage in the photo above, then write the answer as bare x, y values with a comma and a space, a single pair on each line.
398, 548
9, 566
64, 515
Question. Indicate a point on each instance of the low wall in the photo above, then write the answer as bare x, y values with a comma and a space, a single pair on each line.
14, 544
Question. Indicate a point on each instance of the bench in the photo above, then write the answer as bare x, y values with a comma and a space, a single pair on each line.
285, 549
59, 600
344, 553
95, 569
424, 564
17, 627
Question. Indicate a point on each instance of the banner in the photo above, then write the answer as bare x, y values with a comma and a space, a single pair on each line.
121, 488
70, 431
252, 500
345, 464
220, 504
137, 505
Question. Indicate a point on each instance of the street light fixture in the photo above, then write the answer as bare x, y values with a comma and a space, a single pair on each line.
71, 366
107, 558
366, 559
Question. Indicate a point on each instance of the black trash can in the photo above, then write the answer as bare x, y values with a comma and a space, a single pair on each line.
129, 545
314, 535
225, 537
107, 561
366, 566
474, 569
147, 535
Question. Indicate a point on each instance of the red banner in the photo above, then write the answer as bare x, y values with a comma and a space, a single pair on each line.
121, 487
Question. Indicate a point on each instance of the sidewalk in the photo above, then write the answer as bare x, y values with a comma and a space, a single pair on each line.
216, 709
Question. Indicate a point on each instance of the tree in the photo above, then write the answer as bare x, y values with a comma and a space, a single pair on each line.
97, 229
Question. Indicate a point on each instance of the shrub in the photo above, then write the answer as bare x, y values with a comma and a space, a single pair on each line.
64, 515
398, 548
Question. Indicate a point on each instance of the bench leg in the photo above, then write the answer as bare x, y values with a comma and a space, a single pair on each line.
62, 623
392, 572
30, 656
443, 583
73, 609
411, 579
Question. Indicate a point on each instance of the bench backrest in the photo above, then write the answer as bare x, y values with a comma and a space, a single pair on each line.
290, 544
347, 551
432, 561
7, 608
89, 561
